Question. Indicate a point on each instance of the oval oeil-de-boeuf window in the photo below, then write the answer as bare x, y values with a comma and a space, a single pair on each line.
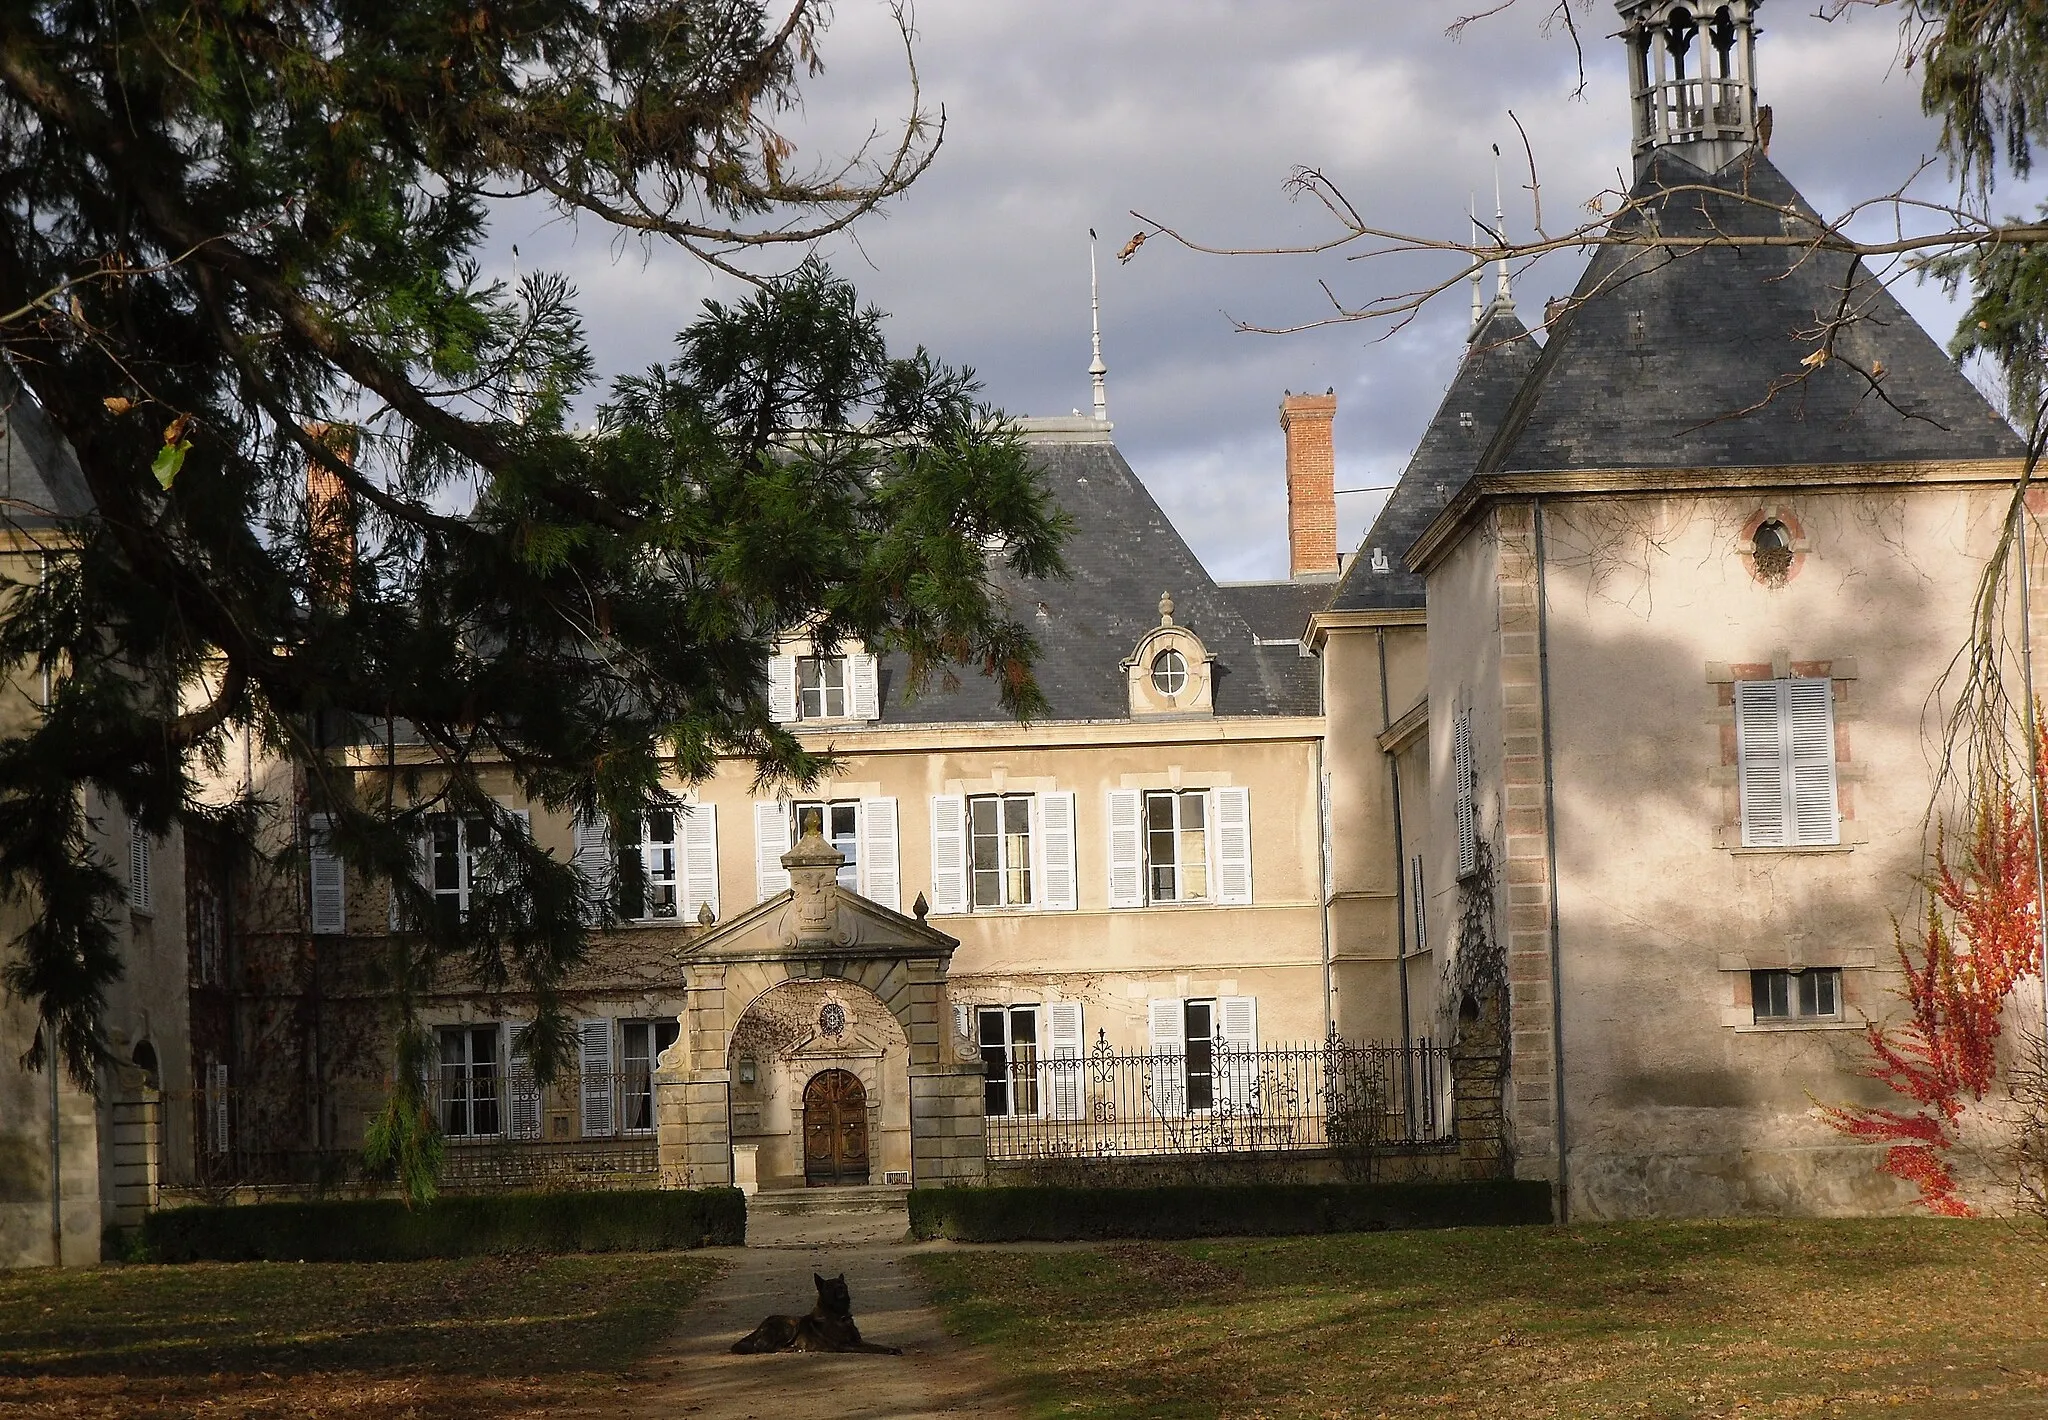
1169, 672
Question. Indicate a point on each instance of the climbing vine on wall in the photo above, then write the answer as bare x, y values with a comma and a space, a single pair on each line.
1980, 938
1478, 970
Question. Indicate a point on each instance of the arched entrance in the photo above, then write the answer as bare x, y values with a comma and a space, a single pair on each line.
835, 1129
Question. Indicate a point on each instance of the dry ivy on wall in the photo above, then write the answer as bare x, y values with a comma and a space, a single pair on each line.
1478, 970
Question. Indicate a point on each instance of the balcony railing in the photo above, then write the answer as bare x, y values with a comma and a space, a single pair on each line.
1227, 1099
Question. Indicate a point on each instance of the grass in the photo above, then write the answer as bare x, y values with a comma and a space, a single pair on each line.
1754, 1318
470, 1337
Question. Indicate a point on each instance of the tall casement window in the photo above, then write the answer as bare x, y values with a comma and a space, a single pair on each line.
640, 1045
1187, 1073
1464, 789
1179, 845
1785, 762
469, 1082
842, 687
864, 830
664, 867
1009, 1059
453, 854
993, 852
999, 832
838, 823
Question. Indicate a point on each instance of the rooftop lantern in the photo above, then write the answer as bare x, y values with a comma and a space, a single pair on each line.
1692, 68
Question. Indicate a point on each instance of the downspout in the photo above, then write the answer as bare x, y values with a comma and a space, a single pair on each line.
1400, 899
56, 1145
1550, 866
1323, 877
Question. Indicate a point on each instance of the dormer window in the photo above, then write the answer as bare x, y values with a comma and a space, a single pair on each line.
821, 687
1169, 672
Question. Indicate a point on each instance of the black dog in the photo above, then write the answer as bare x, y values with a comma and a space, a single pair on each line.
829, 1327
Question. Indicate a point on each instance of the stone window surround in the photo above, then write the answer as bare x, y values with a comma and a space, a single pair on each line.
1738, 1011
1745, 543
1839, 672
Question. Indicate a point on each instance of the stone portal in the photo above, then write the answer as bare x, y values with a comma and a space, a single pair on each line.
817, 1032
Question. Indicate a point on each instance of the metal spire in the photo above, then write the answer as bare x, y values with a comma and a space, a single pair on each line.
1478, 270
1096, 369
1502, 295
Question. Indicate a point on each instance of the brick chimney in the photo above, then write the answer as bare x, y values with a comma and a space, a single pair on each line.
1311, 483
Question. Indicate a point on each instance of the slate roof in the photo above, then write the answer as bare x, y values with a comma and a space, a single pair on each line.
40, 481
1497, 360
1122, 554
1692, 359
1277, 610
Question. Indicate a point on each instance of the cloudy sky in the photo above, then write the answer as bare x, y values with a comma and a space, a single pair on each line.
1067, 114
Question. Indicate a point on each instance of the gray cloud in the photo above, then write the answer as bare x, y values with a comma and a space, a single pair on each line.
1066, 114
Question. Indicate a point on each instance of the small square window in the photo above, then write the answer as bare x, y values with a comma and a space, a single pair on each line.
821, 687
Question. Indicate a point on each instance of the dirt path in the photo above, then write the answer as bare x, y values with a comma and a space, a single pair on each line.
695, 1374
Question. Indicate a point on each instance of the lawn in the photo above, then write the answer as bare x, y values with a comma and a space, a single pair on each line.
484, 1336
1899, 1317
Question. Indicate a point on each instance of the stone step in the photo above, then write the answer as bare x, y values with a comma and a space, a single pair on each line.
849, 1198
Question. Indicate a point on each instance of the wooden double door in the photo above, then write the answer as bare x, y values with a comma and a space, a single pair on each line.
835, 1129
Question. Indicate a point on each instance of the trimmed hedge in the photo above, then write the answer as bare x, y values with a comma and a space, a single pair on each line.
1209, 1211
384, 1230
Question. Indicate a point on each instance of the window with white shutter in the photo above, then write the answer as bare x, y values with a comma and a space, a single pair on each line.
1066, 1069
1785, 762
1464, 785
949, 854
771, 841
880, 855
865, 672
1236, 1066
522, 1095
592, 856
594, 1077
1166, 1040
782, 689
139, 896
328, 885
1126, 849
1233, 846
217, 1132
700, 860
1053, 842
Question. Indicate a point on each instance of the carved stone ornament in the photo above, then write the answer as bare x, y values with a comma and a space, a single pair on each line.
832, 1019
814, 917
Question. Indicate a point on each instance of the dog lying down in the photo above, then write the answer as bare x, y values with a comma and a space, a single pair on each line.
828, 1327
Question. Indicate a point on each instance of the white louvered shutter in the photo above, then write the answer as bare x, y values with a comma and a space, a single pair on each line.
700, 859
1463, 770
1810, 756
594, 1057
1760, 754
881, 877
865, 673
1126, 849
1066, 1079
771, 841
138, 868
1237, 1026
217, 1108
1166, 1022
327, 888
1053, 844
1233, 840
522, 1095
949, 854
782, 689
592, 856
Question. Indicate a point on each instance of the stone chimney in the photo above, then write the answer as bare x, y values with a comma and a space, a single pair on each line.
1311, 483
331, 517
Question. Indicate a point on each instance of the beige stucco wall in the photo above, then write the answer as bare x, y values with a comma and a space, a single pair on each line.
1676, 1102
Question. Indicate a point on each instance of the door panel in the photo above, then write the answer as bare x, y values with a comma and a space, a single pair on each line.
835, 1129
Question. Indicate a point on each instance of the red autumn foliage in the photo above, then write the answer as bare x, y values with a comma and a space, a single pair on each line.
1982, 936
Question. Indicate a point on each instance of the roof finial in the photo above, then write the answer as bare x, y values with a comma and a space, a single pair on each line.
1478, 267
1502, 295
1166, 608
1096, 369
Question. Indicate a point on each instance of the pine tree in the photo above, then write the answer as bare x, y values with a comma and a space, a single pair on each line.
339, 499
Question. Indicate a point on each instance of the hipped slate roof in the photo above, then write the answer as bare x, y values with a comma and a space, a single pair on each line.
40, 481
1693, 358
1122, 554
1497, 361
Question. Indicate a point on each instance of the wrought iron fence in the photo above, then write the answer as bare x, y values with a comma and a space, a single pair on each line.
1225, 1099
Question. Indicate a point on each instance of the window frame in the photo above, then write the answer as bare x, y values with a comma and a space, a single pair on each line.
848, 844
1003, 1068
636, 1084
844, 689
1177, 835
1005, 871
1794, 779
1199, 1047
464, 860
1796, 989
652, 876
468, 1072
